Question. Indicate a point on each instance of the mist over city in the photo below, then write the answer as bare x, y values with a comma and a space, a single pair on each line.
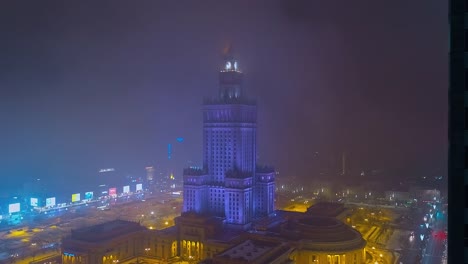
117, 109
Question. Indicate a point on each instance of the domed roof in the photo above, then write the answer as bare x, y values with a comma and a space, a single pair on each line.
323, 234
319, 222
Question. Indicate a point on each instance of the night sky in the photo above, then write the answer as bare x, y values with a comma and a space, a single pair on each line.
86, 85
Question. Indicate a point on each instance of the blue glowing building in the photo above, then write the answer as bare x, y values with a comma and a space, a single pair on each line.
230, 184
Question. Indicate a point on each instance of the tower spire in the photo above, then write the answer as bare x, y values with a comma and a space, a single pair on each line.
230, 76
230, 63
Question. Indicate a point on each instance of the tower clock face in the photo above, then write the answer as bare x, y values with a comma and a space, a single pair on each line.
228, 65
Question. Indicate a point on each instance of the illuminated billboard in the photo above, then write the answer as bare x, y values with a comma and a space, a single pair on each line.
113, 192
13, 208
139, 187
34, 202
88, 195
76, 197
50, 201
126, 189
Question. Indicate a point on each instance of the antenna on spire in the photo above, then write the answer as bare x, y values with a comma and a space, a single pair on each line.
227, 51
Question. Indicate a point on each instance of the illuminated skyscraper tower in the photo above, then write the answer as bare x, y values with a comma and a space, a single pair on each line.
227, 184
229, 143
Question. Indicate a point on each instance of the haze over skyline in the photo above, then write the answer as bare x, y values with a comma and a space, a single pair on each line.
102, 84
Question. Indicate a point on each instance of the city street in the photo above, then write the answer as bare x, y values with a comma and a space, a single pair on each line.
36, 240
434, 250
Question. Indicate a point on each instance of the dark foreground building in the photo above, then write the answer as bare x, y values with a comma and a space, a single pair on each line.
458, 125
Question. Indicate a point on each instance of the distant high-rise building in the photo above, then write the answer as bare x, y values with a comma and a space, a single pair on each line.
169, 151
150, 173
228, 185
108, 176
34, 187
343, 164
